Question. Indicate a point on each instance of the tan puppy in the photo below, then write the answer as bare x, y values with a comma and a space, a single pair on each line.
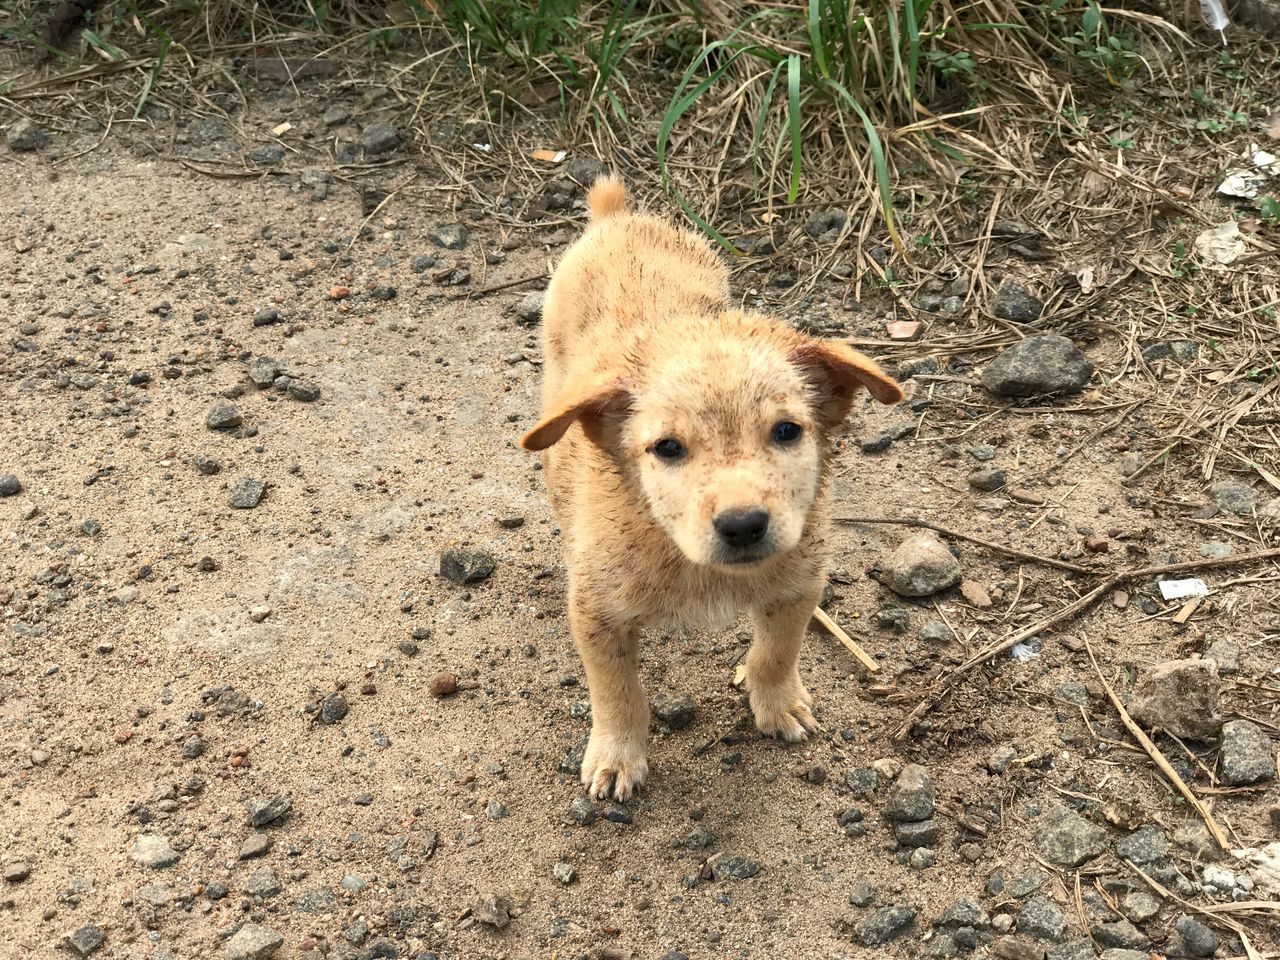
686, 451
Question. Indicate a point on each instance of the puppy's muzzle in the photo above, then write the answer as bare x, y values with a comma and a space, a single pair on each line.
741, 533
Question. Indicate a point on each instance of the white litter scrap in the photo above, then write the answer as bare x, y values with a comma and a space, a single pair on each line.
1246, 184
1183, 589
1023, 653
1215, 15
1265, 867
1221, 245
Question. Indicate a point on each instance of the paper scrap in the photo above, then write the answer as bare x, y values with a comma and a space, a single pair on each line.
1183, 589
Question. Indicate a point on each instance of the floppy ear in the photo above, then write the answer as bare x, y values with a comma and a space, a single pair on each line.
838, 370
590, 401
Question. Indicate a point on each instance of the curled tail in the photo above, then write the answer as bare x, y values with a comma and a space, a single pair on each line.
607, 197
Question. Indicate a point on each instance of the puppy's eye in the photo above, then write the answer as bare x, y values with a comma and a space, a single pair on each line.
786, 432
668, 448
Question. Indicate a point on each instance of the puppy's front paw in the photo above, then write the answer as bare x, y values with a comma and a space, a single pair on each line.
613, 767
782, 711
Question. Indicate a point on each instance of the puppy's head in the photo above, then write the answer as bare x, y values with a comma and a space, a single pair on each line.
723, 426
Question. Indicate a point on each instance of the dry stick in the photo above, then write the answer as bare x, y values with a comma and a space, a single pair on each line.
484, 292
1071, 610
998, 548
1154, 753
834, 629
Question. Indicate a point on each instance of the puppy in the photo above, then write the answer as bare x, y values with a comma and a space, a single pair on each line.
686, 447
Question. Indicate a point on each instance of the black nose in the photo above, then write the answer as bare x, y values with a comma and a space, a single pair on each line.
742, 528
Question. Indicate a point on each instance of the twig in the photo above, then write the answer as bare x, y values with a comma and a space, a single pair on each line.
1068, 612
1154, 753
485, 291
834, 629
998, 548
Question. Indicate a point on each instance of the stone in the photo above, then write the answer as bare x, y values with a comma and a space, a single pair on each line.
1193, 836
964, 913
224, 416
825, 225
153, 852
86, 940
247, 493
935, 631
263, 372
317, 901
304, 391
1067, 839
911, 798
333, 708
268, 155
1038, 366
1072, 950
862, 894
1116, 953
253, 942
1041, 918
529, 310
675, 712
1145, 845
1200, 940
493, 911
17, 871
1119, 933
565, 873
1139, 906
466, 566
451, 236
263, 812
881, 926
582, 811
1073, 692
904, 330
1000, 759
921, 567
862, 781
24, 135
1247, 754
379, 138
1182, 697
255, 845
1235, 496
734, 867
10, 485
1025, 884
987, 479
1216, 549
924, 833
1015, 302
1017, 948
266, 316
193, 747
1226, 654
262, 882
893, 619
922, 858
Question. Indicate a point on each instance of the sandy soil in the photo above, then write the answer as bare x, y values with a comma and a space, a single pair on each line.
140, 611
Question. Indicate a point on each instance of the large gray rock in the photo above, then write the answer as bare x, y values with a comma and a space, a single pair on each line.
921, 567
1067, 839
1182, 697
1247, 754
1037, 366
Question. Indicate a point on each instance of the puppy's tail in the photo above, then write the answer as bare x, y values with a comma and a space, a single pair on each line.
606, 198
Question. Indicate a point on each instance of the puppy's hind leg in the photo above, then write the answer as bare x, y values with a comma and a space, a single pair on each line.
614, 764
779, 700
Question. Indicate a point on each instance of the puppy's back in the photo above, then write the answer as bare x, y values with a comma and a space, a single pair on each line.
626, 275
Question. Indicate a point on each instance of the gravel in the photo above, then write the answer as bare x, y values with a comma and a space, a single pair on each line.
253, 942
493, 911
1234, 496
1015, 302
732, 866
529, 310
1199, 939
564, 873
1145, 845
582, 811
862, 894
153, 852
451, 236
466, 566
86, 940
1119, 933
224, 416
247, 493
379, 138
675, 712
262, 882
911, 798
987, 479
1067, 839
262, 812
1247, 754
10, 485
881, 926
1042, 919
333, 708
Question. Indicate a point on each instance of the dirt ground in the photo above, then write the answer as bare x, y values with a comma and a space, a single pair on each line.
164, 656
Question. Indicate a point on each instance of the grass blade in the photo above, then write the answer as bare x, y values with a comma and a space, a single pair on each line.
793, 122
